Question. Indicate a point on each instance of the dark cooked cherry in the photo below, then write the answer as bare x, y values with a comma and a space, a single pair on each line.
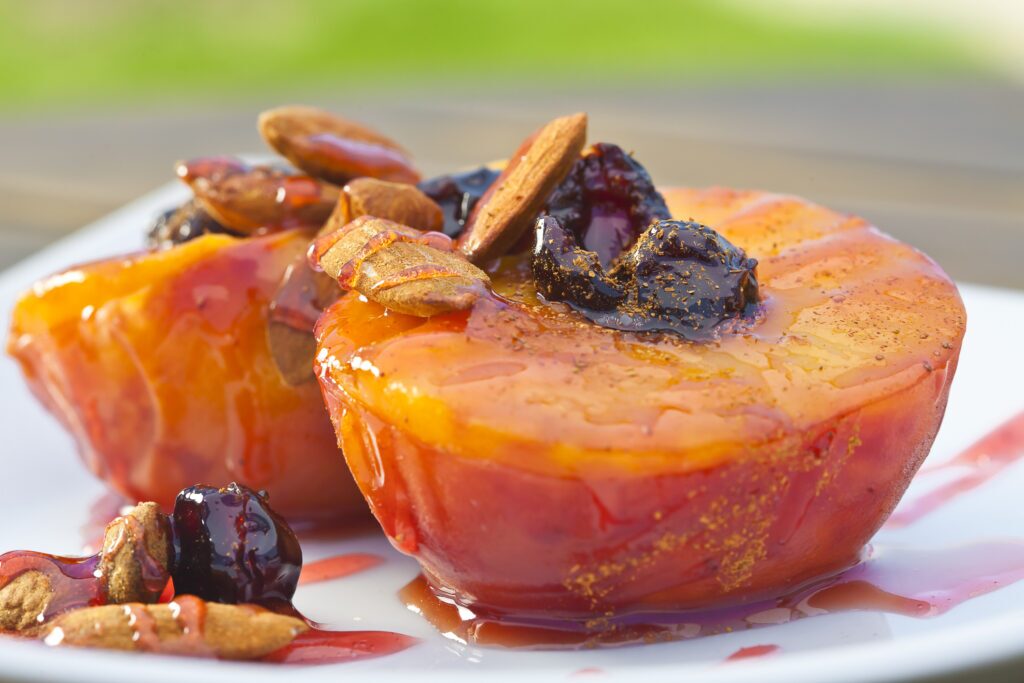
687, 278
177, 226
457, 194
565, 272
606, 201
231, 547
679, 276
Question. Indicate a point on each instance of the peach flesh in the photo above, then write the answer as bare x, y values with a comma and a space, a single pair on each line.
540, 467
158, 365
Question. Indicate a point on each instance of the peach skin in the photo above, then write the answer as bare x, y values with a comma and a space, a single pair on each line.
158, 365
541, 467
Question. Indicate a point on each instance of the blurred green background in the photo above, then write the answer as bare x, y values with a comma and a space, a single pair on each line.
87, 52
909, 113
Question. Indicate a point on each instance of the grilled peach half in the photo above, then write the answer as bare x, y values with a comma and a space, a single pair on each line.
542, 467
158, 365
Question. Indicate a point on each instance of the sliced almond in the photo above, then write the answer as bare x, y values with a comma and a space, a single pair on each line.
22, 600
136, 555
398, 202
300, 299
281, 125
521, 191
303, 294
293, 351
187, 626
254, 199
400, 268
332, 148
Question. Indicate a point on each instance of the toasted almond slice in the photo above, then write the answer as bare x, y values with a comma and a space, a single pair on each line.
293, 351
187, 626
400, 268
332, 148
22, 600
255, 199
300, 299
520, 192
398, 202
136, 556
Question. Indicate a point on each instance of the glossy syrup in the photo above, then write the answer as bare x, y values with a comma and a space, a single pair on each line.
320, 646
981, 462
893, 580
189, 613
339, 159
75, 582
78, 582
337, 567
323, 646
153, 575
752, 652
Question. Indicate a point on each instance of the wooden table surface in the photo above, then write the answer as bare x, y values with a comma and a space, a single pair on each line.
938, 165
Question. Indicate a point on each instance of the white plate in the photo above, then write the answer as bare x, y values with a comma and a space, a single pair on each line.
46, 496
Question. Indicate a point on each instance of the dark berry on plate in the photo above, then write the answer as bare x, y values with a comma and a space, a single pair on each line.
231, 547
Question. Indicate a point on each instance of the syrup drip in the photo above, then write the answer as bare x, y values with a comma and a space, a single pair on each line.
257, 199
423, 271
298, 191
190, 613
361, 158
977, 465
319, 646
320, 246
911, 583
75, 581
143, 625
153, 575
752, 651
168, 593
337, 567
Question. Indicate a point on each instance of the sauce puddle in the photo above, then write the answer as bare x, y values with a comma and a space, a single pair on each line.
975, 466
752, 652
337, 567
320, 646
894, 580
74, 582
